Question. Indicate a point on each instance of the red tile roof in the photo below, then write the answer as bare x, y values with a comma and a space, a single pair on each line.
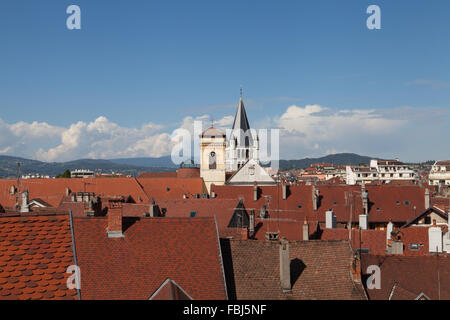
319, 269
35, 252
172, 188
429, 275
152, 250
395, 202
170, 174
53, 190
374, 240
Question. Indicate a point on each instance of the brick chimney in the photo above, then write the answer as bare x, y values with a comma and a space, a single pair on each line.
305, 230
285, 266
356, 268
114, 228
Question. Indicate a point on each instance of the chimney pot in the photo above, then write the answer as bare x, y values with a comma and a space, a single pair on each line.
284, 191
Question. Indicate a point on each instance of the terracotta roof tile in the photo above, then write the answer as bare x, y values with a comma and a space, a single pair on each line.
152, 250
22, 267
320, 269
431, 275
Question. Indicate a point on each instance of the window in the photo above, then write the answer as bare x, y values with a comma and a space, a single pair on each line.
427, 220
212, 160
406, 203
299, 206
193, 214
397, 203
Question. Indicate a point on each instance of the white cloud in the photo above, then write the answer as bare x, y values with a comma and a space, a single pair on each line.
310, 130
104, 139
317, 130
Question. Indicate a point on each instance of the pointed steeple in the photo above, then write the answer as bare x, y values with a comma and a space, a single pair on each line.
240, 120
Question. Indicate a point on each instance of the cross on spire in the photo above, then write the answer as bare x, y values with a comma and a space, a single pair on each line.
241, 92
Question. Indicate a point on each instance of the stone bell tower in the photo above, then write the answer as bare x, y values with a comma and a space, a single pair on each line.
212, 157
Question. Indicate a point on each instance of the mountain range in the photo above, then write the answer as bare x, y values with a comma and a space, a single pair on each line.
135, 166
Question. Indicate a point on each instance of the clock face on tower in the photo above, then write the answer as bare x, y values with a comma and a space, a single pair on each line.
212, 154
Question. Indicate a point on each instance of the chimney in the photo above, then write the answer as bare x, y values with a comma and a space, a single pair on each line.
24, 207
90, 208
330, 219
154, 210
305, 230
251, 227
213, 194
314, 198
363, 221
284, 191
356, 268
255, 192
394, 245
67, 191
114, 228
427, 199
12, 191
365, 199
285, 266
434, 238
263, 212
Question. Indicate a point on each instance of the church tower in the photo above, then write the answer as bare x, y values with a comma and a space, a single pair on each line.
212, 157
242, 145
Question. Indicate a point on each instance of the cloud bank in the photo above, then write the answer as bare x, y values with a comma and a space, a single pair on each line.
310, 130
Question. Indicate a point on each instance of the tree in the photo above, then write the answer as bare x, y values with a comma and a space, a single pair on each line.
66, 174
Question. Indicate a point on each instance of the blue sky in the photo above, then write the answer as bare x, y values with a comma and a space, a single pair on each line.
164, 63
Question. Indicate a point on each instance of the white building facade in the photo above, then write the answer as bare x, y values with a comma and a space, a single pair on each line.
380, 170
440, 173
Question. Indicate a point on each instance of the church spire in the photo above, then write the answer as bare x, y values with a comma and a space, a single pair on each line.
240, 120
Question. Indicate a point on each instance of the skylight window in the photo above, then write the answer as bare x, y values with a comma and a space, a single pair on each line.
406, 203
193, 214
